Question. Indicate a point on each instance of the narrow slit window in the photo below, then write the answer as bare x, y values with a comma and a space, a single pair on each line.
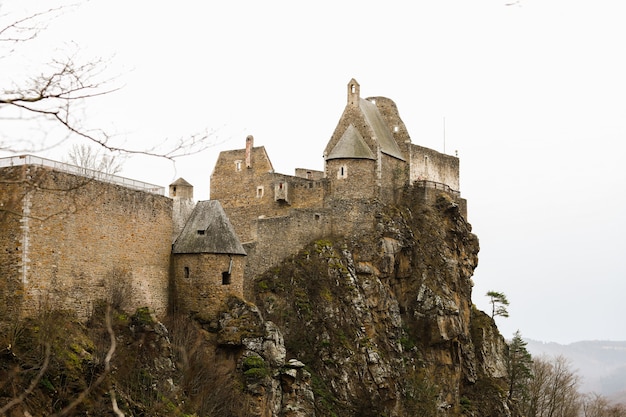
226, 278
201, 232
259, 192
186, 271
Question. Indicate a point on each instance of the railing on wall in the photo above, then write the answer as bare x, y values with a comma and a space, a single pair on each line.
84, 172
437, 186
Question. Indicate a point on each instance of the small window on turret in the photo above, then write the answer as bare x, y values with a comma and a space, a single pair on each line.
343, 172
225, 278
186, 271
259, 191
174, 191
353, 88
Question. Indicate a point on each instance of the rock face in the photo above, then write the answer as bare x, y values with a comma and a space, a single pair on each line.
272, 385
384, 324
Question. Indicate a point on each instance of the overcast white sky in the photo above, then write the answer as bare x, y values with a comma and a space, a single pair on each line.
533, 96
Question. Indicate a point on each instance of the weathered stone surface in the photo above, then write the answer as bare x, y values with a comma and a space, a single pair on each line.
377, 318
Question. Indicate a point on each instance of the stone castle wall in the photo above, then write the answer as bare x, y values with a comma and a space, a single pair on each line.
351, 179
247, 192
428, 164
201, 284
80, 240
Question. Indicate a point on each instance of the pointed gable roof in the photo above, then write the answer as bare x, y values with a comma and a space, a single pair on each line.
181, 181
351, 145
362, 125
208, 230
381, 131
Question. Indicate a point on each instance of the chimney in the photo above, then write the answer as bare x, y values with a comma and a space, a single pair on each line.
249, 145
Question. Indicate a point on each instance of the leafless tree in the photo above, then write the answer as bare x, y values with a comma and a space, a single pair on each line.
90, 158
53, 96
596, 405
552, 390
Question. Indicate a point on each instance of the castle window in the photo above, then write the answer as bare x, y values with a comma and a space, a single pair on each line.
308, 174
259, 191
343, 172
225, 278
317, 216
280, 186
186, 271
396, 129
353, 88
201, 232
174, 191
238, 166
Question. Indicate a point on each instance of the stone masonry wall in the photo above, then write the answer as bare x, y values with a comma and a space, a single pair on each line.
427, 164
12, 201
87, 240
198, 281
394, 177
247, 193
354, 178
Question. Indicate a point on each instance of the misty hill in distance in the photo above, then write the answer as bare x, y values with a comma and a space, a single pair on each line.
601, 365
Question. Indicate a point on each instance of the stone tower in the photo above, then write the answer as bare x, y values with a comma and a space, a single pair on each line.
181, 193
362, 158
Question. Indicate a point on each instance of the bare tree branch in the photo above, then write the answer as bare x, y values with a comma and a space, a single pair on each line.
33, 384
58, 91
107, 368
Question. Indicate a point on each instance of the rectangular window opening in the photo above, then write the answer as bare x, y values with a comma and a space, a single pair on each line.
226, 278
201, 232
186, 270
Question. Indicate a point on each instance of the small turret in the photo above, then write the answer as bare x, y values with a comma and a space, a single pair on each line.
354, 92
181, 189
181, 192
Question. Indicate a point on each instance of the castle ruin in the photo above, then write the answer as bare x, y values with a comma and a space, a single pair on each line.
72, 237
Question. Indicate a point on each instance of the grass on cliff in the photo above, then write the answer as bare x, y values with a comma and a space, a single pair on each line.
49, 362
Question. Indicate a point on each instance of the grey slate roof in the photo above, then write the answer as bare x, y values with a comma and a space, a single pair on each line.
216, 234
351, 145
181, 181
384, 136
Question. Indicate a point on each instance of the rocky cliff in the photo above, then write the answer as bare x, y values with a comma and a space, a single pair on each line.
380, 323
384, 324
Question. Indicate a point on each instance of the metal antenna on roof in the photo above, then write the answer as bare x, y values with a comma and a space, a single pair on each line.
444, 134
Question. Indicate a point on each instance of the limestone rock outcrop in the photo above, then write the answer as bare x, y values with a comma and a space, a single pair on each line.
385, 324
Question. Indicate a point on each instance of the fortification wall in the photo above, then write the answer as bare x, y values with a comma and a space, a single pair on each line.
394, 176
82, 240
283, 236
12, 201
199, 283
354, 178
247, 193
428, 164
